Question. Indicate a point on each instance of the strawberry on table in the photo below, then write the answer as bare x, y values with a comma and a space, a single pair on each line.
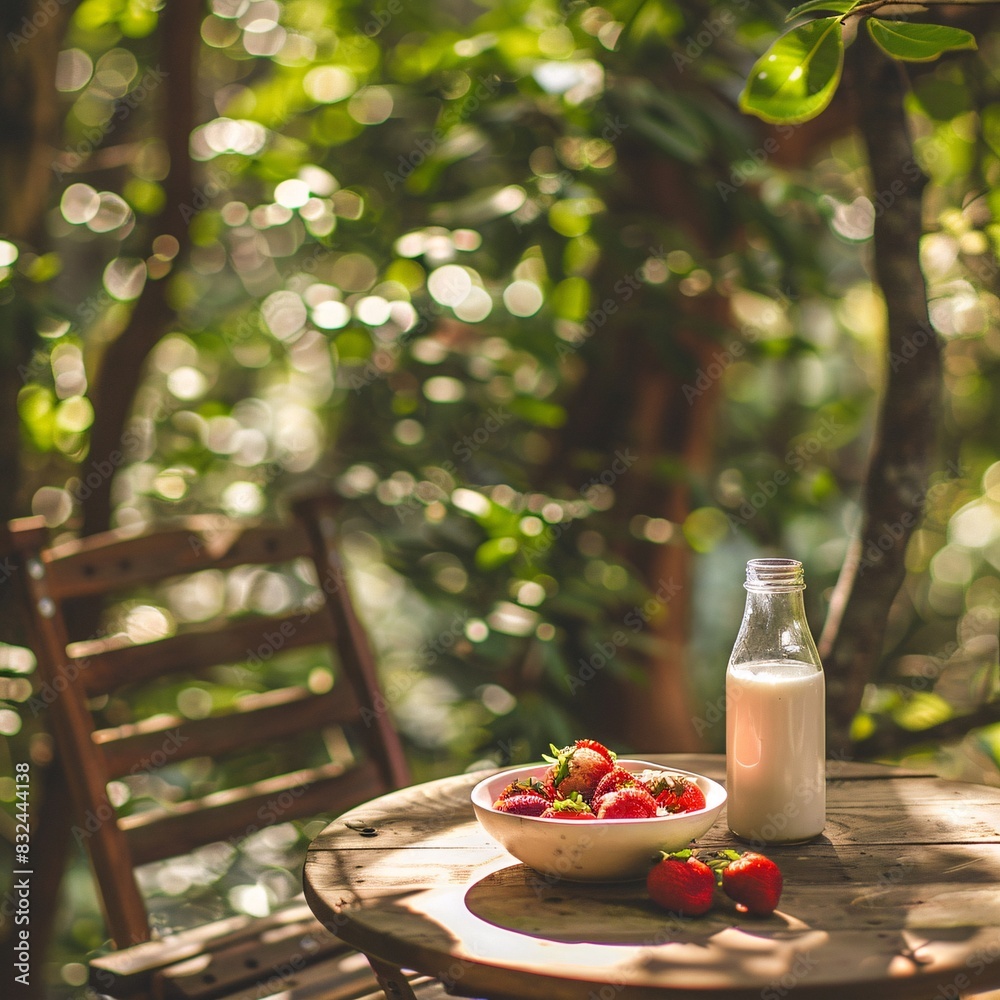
751, 880
630, 802
682, 884
575, 769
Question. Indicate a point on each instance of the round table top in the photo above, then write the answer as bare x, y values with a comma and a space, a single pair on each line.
898, 898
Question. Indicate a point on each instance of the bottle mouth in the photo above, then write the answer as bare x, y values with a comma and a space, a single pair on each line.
775, 575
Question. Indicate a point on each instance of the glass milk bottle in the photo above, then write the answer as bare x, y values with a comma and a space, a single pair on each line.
775, 713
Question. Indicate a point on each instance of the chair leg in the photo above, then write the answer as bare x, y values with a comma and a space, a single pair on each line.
394, 984
49, 850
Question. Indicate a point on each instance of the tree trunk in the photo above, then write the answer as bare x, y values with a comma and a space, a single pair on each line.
29, 124
120, 369
906, 432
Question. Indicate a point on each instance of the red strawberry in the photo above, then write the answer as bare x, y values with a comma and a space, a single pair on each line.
522, 805
682, 884
675, 793
570, 808
617, 777
751, 880
526, 786
607, 754
575, 769
631, 802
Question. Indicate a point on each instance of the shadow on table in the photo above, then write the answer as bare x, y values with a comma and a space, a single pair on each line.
880, 911
519, 899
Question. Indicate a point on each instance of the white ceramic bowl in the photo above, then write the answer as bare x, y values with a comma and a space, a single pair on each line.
599, 850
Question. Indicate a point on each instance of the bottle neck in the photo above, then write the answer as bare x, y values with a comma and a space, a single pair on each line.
774, 626
775, 576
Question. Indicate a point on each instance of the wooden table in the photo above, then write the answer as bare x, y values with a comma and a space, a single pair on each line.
899, 898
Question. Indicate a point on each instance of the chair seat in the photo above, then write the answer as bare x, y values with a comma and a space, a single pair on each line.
287, 955
221, 955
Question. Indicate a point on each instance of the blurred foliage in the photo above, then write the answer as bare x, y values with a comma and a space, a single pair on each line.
437, 253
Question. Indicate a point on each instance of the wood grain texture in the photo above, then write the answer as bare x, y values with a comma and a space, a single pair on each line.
257, 718
898, 899
125, 558
111, 663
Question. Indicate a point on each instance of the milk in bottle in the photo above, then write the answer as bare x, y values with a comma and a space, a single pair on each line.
775, 713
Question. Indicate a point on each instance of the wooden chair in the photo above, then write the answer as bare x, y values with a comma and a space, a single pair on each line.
79, 680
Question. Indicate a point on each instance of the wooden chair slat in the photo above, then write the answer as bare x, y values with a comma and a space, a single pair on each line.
130, 970
258, 718
107, 664
127, 558
237, 812
316, 514
275, 954
325, 981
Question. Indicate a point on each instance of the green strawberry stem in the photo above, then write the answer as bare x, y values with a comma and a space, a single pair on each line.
573, 802
720, 861
561, 760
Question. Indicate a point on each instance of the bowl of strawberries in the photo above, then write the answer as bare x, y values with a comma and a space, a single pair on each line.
586, 815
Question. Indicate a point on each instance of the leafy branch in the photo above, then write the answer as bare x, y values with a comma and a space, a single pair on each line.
796, 78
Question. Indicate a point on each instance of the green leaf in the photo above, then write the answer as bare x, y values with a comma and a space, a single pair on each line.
840, 6
917, 42
795, 79
673, 140
496, 552
922, 710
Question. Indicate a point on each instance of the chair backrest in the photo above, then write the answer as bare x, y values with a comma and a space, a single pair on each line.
80, 680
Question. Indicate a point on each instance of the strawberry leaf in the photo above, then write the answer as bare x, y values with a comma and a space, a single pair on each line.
796, 78
917, 42
560, 761
573, 802
677, 855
